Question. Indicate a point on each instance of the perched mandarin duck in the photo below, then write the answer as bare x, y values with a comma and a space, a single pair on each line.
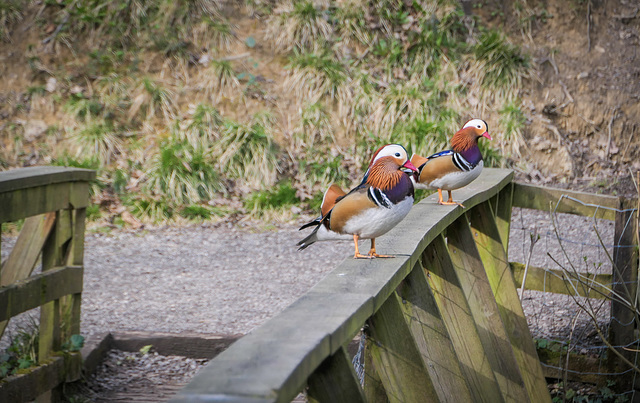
455, 168
382, 200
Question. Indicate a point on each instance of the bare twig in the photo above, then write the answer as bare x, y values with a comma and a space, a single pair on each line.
613, 116
624, 153
534, 237
566, 91
57, 30
235, 57
589, 26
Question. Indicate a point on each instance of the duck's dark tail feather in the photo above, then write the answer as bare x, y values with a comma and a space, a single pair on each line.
316, 222
311, 238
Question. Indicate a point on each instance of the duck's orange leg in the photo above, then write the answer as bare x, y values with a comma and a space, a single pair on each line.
448, 202
357, 254
373, 253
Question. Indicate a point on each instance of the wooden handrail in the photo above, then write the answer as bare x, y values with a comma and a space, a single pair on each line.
26, 192
53, 202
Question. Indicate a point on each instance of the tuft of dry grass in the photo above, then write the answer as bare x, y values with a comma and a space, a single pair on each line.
10, 13
95, 139
248, 152
219, 79
314, 76
152, 97
298, 25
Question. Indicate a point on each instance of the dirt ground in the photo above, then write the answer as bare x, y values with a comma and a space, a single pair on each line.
582, 103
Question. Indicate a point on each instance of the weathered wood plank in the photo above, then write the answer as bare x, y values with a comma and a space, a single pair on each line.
275, 360
33, 201
26, 251
27, 387
561, 282
36, 290
53, 254
335, 381
457, 317
396, 357
502, 211
498, 271
23, 178
373, 387
624, 280
546, 199
49, 332
430, 334
475, 285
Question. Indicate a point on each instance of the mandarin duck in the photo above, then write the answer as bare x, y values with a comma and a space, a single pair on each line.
452, 169
377, 204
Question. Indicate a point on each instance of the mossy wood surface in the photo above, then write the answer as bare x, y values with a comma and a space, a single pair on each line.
335, 380
563, 282
432, 339
33, 382
498, 271
548, 199
39, 289
458, 319
484, 309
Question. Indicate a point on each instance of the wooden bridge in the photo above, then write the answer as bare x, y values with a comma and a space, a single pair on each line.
442, 321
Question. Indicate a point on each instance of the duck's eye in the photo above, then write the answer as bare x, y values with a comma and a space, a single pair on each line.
478, 126
397, 154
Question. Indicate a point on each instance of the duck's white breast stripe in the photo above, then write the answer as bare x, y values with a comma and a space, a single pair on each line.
379, 198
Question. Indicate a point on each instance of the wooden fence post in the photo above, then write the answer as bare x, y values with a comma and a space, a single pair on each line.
430, 333
496, 264
475, 284
373, 387
624, 319
459, 322
335, 381
396, 356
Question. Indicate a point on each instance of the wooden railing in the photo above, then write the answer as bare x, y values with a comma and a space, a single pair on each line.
442, 320
52, 201
621, 281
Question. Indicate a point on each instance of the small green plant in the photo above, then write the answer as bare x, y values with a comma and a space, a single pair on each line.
84, 108
350, 24
151, 97
217, 31
155, 209
75, 343
36, 90
512, 121
282, 196
22, 353
201, 127
198, 212
93, 212
224, 77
